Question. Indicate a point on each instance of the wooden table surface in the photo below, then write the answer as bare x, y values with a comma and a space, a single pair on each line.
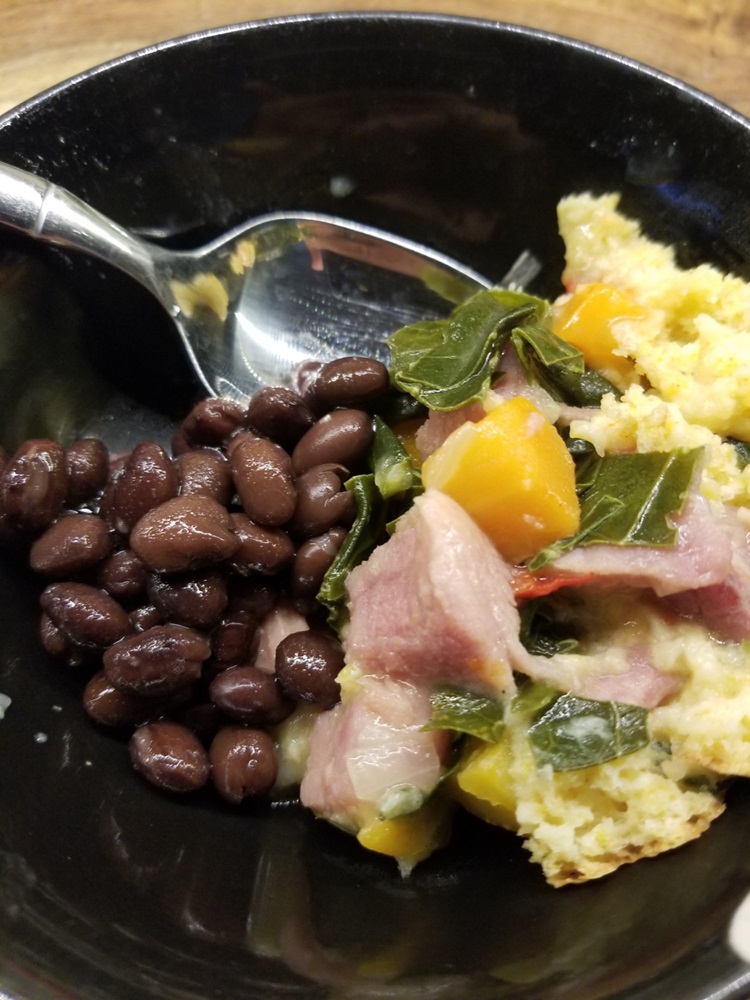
704, 42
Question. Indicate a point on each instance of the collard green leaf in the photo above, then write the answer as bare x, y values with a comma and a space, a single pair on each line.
366, 532
628, 499
446, 364
466, 712
559, 367
394, 471
578, 732
741, 451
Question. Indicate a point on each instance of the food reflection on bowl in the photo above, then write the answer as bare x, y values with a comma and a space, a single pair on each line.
460, 134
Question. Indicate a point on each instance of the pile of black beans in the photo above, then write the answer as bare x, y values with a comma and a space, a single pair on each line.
162, 568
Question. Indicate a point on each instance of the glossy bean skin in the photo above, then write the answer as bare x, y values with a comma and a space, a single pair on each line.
204, 472
34, 484
88, 469
280, 414
145, 617
123, 575
264, 480
322, 501
307, 664
159, 661
243, 762
148, 479
249, 695
185, 533
352, 381
312, 560
170, 756
262, 550
117, 709
86, 615
212, 421
195, 599
232, 638
71, 545
341, 437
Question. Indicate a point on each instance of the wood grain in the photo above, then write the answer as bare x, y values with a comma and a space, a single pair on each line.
703, 42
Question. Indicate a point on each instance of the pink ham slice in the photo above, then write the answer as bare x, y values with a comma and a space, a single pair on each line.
280, 622
370, 746
724, 607
701, 556
434, 605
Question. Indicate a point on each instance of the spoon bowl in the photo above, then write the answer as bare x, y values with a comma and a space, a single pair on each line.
266, 297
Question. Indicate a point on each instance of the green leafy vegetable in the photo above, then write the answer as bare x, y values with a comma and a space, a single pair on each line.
448, 363
741, 451
394, 471
366, 532
628, 500
465, 712
541, 633
578, 732
559, 367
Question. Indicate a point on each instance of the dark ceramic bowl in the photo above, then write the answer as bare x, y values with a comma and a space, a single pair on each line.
457, 133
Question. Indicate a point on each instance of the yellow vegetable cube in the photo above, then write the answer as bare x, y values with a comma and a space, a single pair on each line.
412, 837
512, 472
587, 321
482, 783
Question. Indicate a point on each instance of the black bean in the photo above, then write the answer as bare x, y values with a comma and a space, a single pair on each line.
88, 469
212, 421
307, 665
243, 762
73, 544
54, 641
322, 501
341, 437
33, 484
196, 599
262, 550
170, 756
123, 575
87, 616
352, 381
184, 533
249, 695
148, 479
145, 617
111, 706
159, 661
264, 480
204, 472
280, 414
232, 638
312, 561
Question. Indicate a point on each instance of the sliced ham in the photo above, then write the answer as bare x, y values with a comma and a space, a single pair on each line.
441, 423
280, 622
724, 607
369, 749
434, 604
700, 557
631, 678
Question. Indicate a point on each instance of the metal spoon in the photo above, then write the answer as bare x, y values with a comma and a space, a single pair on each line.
271, 294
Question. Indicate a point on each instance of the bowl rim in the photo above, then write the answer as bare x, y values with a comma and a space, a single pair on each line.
366, 16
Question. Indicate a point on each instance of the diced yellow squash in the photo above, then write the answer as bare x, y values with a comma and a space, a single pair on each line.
482, 783
512, 472
586, 320
412, 837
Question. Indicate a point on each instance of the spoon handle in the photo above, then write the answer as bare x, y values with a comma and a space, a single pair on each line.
44, 211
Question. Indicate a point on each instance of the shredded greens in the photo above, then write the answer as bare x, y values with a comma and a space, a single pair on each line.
466, 712
628, 499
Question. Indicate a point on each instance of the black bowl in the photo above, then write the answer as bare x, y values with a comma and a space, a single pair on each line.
457, 133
